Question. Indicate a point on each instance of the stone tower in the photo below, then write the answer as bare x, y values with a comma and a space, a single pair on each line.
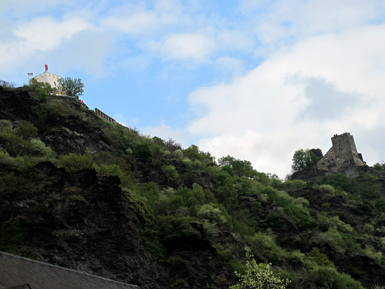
342, 157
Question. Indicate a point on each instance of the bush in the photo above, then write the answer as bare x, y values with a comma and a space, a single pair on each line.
259, 276
294, 185
142, 150
74, 162
211, 214
170, 172
329, 278
57, 111
174, 229
26, 130
378, 166
320, 258
38, 148
5, 125
178, 154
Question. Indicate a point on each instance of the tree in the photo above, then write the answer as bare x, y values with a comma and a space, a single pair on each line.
71, 86
303, 159
7, 84
259, 276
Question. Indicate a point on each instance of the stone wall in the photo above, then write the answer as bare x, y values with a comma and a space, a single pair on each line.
342, 157
104, 116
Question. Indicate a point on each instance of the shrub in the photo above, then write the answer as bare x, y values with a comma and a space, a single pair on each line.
378, 166
326, 277
170, 171
294, 184
178, 154
326, 189
211, 214
176, 229
259, 276
142, 150
57, 111
5, 124
320, 258
74, 162
38, 148
13, 144
26, 130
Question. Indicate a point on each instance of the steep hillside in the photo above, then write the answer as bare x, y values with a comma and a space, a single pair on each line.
101, 198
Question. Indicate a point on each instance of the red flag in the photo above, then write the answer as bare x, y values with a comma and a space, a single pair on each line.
46, 67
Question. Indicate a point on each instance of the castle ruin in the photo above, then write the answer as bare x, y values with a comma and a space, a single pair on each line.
342, 157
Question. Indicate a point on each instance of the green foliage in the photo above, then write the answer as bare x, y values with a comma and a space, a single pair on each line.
237, 167
259, 276
340, 181
26, 130
227, 194
328, 278
38, 148
5, 124
74, 162
13, 144
170, 171
42, 89
56, 110
178, 228
293, 185
211, 214
150, 193
71, 86
178, 154
378, 167
142, 150
320, 258
303, 160
125, 177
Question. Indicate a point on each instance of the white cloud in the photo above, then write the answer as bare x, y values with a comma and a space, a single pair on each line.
133, 24
188, 46
41, 35
46, 33
298, 98
138, 20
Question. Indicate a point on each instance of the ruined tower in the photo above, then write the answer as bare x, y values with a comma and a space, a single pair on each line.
342, 157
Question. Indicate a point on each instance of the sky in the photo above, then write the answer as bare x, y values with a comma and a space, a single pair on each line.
254, 79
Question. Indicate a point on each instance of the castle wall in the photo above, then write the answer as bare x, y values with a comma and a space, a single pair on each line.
50, 78
342, 157
104, 116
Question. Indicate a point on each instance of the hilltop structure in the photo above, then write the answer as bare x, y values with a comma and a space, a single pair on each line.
342, 157
50, 78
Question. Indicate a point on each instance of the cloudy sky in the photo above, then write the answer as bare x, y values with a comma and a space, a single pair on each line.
254, 79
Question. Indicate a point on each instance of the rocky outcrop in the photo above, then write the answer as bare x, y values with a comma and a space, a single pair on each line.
82, 221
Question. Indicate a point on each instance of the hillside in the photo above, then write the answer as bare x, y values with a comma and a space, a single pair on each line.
101, 198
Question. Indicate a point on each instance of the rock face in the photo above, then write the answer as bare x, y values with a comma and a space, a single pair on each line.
83, 222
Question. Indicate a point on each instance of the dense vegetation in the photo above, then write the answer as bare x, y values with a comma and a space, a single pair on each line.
323, 233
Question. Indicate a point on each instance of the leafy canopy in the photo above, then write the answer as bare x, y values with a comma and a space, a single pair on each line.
303, 159
259, 276
72, 86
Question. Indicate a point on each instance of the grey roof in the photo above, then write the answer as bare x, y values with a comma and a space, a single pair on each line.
15, 270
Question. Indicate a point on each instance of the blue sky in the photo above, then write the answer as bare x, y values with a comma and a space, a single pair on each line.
253, 79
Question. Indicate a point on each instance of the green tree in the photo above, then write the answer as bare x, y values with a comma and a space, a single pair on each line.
71, 86
303, 159
259, 276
